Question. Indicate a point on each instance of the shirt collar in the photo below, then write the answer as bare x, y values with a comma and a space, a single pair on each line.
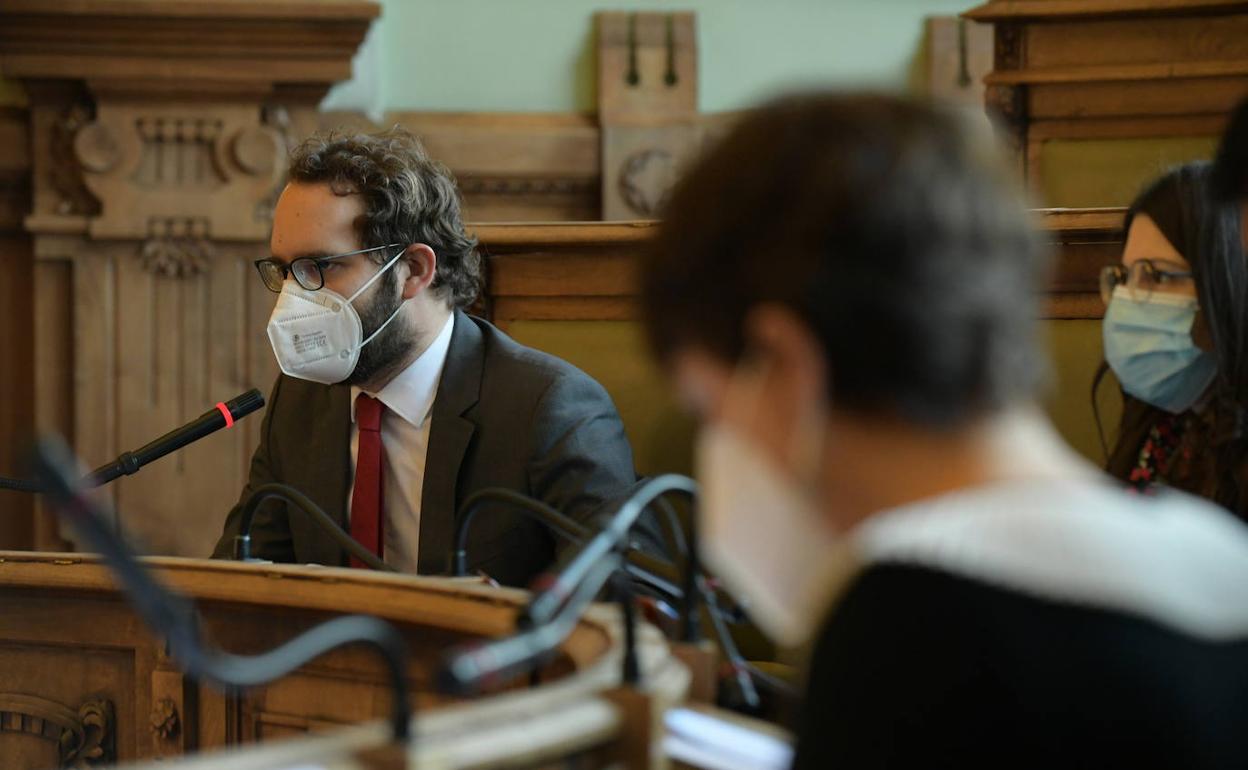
410, 394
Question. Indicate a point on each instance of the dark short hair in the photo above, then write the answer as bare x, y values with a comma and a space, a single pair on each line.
1205, 229
1230, 178
408, 198
886, 226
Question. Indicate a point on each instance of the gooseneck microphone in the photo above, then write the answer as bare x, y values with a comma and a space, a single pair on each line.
223, 415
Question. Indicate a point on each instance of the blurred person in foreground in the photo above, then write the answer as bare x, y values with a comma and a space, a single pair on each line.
845, 291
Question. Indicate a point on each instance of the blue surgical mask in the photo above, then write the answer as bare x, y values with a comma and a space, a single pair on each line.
1148, 344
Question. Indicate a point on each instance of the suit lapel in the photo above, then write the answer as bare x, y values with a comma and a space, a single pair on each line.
329, 474
450, 432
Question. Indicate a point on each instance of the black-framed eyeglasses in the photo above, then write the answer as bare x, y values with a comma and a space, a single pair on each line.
308, 271
1142, 278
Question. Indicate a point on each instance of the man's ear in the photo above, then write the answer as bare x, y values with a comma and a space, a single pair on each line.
793, 379
790, 351
422, 266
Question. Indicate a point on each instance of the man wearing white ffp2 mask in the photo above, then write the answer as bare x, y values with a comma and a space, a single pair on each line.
394, 404
316, 333
844, 292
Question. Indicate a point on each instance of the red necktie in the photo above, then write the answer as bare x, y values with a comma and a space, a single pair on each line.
366, 497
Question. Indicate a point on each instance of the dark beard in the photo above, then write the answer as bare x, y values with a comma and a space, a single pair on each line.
389, 348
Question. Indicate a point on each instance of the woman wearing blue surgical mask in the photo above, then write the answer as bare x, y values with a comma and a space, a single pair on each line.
1176, 339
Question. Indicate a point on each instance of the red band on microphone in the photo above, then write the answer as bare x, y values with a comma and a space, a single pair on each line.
223, 409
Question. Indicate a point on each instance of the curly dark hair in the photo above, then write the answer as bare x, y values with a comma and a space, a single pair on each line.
408, 198
887, 226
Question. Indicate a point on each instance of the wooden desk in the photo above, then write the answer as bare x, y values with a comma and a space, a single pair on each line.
82, 680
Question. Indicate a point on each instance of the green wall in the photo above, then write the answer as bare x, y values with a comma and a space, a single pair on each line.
503, 55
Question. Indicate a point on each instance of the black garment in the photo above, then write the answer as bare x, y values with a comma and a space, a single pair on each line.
920, 668
1209, 456
504, 416
940, 657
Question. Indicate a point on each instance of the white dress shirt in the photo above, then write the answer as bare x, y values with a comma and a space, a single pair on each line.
408, 399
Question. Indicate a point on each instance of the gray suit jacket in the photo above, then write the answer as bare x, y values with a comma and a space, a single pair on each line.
505, 416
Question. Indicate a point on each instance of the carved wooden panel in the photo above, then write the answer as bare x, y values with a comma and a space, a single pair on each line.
158, 134
1102, 69
81, 737
648, 106
153, 351
82, 680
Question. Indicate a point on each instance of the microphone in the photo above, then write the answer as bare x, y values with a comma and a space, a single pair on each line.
558, 587
224, 415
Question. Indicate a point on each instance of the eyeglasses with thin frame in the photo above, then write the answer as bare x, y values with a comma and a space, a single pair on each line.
308, 271
1142, 278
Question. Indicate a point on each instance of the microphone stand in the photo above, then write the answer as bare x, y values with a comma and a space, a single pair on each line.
174, 617
242, 541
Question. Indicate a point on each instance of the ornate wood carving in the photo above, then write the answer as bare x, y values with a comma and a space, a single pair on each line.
164, 719
159, 135
647, 102
84, 736
1104, 69
160, 168
646, 180
247, 607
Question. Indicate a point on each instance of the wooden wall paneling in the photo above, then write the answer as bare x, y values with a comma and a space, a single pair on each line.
515, 167
648, 108
105, 654
54, 407
958, 56
1113, 68
153, 188
583, 271
95, 365
587, 270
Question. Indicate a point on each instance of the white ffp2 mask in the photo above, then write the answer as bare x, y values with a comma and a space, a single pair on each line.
317, 335
763, 533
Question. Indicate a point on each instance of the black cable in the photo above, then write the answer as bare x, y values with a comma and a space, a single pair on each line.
564, 526
173, 615
242, 541
631, 672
